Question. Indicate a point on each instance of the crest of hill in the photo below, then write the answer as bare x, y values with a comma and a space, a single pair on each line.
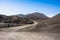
37, 16
21, 15
55, 19
34, 16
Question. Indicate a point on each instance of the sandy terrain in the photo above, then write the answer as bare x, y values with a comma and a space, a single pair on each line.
28, 36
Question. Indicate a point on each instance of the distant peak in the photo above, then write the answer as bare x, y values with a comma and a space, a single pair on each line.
37, 13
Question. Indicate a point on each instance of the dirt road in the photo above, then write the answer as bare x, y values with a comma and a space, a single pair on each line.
14, 29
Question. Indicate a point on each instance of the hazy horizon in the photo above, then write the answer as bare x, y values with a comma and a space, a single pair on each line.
13, 7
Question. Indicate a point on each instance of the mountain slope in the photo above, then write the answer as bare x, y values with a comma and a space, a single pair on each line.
37, 16
34, 16
49, 25
13, 21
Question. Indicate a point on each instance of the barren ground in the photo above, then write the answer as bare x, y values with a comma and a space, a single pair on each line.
11, 34
29, 36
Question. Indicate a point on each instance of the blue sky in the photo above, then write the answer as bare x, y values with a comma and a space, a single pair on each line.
13, 7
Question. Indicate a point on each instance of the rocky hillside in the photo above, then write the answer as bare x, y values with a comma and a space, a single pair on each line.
34, 16
49, 25
14, 20
37, 16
